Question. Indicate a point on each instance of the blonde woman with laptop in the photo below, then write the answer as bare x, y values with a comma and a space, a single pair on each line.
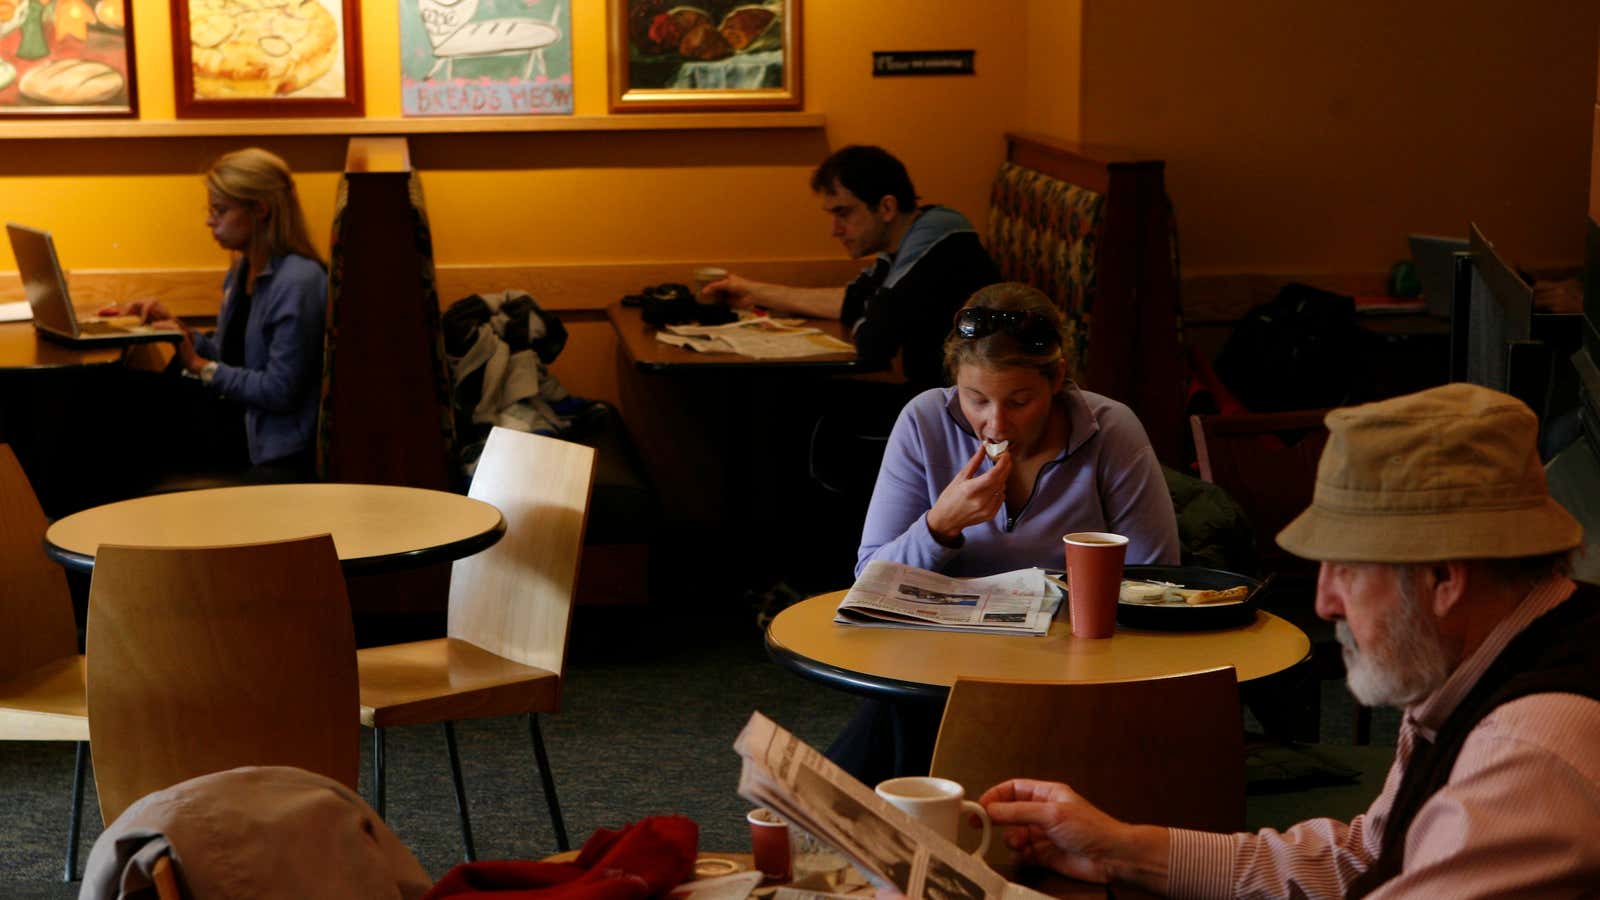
266, 354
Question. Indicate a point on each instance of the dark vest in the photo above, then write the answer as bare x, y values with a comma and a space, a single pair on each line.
1559, 652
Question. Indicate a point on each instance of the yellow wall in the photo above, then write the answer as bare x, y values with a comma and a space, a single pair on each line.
565, 197
1055, 68
1314, 136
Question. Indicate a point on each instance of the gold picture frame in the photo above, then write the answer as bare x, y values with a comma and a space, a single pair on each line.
704, 55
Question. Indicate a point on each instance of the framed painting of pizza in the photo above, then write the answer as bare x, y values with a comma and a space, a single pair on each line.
66, 58
704, 55
256, 58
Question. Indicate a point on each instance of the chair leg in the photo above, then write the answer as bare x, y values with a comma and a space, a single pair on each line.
75, 816
461, 790
549, 783
377, 771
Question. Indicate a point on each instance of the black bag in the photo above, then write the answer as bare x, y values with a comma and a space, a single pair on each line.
1301, 350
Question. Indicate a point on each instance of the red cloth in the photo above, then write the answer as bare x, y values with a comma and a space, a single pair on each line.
643, 860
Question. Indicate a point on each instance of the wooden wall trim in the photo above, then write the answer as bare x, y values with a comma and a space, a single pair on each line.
580, 288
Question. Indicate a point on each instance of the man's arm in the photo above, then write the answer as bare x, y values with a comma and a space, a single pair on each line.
738, 291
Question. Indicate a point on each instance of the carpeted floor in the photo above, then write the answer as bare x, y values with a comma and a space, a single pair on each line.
651, 707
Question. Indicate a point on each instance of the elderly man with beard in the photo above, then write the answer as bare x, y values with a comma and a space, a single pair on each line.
1444, 566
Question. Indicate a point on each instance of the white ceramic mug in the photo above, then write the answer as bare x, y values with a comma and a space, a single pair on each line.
936, 802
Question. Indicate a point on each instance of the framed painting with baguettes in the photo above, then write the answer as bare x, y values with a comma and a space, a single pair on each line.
704, 55
66, 58
266, 58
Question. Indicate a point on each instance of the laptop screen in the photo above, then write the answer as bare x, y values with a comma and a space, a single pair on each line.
42, 279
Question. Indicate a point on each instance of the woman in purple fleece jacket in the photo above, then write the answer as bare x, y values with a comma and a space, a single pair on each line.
986, 477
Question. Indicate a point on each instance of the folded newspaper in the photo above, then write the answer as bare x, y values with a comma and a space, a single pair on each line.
760, 337
893, 595
792, 779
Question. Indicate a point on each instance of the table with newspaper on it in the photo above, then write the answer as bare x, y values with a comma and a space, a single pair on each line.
762, 343
757, 337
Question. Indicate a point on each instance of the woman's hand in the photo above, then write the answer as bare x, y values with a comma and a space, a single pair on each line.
146, 310
1055, 828
969, 498
187, 357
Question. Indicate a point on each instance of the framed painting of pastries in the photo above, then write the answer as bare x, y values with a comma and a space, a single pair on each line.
260, 58
66, 58
704, 55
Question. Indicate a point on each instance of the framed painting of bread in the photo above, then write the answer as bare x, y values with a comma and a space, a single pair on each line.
66, 58
260, 58
704, 55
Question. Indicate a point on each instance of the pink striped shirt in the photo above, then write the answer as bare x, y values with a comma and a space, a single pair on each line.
1520, 816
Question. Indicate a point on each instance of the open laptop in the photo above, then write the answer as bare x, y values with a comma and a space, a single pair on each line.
1435, 260
53, 315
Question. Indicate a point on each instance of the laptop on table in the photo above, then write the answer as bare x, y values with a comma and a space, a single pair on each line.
53, 314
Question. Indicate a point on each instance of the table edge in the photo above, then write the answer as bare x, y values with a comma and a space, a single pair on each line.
83, 563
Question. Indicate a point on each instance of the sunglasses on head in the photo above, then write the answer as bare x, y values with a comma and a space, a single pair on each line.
1033, 332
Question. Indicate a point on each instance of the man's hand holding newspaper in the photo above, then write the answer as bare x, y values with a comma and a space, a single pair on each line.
900, 853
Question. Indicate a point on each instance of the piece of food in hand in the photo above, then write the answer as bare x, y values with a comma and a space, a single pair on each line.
1231, 595
995, 448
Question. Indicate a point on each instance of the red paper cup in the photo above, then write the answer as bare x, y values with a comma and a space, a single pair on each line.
769, 843
1094, 580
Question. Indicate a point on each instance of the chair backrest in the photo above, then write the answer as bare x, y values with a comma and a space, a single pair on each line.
34, 602
515, 598
207, 659
1268, 463
1162, 751
1092, 227
385, 413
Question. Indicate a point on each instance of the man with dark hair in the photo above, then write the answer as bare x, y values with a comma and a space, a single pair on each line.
929, 261
1444, 564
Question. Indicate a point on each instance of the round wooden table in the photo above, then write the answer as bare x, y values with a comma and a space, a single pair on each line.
922, 664
375, 527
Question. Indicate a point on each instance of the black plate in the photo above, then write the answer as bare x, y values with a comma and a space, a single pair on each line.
1189, 618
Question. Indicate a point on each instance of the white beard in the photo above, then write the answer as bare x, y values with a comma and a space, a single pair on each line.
1405, 662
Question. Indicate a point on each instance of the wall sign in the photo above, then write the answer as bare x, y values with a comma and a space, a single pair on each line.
922, 62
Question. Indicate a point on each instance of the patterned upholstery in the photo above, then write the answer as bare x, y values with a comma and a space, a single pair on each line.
1044, 232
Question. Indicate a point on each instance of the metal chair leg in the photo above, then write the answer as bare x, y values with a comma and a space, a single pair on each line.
461, 790
75, 816
549, 783
377, 771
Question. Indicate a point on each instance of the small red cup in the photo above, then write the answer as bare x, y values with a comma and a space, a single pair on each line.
769, 844
1094, 580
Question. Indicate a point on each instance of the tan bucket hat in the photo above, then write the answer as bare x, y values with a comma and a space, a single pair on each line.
1448, 473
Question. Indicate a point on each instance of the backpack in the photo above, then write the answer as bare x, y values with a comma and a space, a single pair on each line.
1301, 350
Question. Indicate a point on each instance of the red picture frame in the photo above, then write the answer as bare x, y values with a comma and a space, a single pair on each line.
303, 73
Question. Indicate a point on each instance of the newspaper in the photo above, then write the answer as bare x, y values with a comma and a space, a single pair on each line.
760, 337
798, 783
893, 595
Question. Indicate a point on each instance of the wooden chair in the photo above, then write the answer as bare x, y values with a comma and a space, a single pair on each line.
41, 670
1163, 751
510, 607
165, 879
207, 659
1268, 463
